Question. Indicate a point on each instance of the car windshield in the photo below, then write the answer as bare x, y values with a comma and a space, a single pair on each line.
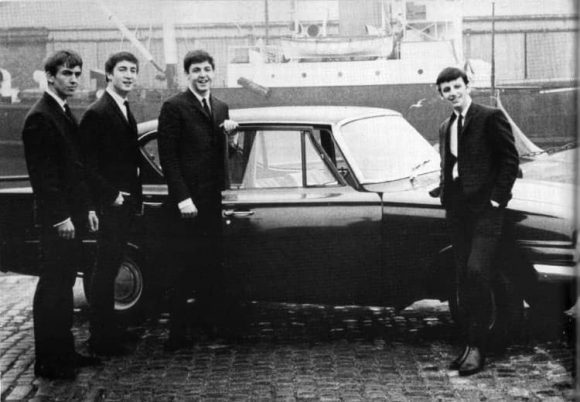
387, 148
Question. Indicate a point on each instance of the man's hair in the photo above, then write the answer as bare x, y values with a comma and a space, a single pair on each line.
66, 58
451, 74
117, 58
195, 57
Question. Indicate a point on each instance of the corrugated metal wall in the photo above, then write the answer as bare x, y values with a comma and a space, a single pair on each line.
533, 56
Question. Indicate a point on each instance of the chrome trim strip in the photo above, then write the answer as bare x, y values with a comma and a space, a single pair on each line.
555, 273
546, 243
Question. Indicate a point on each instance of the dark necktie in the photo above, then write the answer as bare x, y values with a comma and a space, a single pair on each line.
206, 107
459, 126
68, 113
130, 117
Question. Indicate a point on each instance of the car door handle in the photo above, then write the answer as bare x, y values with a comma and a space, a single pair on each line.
236, 212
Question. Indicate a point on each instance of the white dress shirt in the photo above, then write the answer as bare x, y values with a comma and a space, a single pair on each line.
119, 100
201, 98
57, 98
454, 140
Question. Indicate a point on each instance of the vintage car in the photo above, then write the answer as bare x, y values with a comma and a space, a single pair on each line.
331, 205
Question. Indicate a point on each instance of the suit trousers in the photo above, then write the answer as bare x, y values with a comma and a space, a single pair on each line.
196, 258
115, 227
53, 299
475, 233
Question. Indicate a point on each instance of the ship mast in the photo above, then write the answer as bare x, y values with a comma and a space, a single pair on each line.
267, 22
129, 35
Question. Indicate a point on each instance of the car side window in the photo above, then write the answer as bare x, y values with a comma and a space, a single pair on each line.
152, 152
317, 173
151, 172
238, 152
323, 137
276, 158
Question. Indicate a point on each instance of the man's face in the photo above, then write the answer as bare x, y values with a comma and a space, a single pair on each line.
123, 77
200, 76
456, 92
66, 80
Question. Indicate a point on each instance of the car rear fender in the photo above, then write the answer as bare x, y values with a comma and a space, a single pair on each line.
19, 232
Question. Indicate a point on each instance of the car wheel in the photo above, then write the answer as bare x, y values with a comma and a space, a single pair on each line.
506, 313
129, 286
134, 289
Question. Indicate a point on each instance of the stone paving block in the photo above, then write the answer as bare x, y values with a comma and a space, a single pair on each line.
19, 393
320, 352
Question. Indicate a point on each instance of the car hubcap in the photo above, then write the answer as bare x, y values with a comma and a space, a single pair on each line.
128, 285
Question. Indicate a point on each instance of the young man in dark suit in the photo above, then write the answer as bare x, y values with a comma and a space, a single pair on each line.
51, 147
109, 141
479, 165
193, 129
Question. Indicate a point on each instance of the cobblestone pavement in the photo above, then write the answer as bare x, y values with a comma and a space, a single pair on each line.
295, 353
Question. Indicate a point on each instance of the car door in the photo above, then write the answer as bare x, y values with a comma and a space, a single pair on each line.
294, 229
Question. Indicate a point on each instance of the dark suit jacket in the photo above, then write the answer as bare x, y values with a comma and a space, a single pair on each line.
111, 151
192, 148
52, 151
488, 159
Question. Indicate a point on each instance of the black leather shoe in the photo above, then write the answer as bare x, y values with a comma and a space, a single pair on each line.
473, 362
455, 364
85, 361
54, 372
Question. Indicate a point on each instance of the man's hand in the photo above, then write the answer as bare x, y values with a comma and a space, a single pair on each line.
66, 230
188, 211
229, 126
119, 200
494, 204
436, 192
93, 221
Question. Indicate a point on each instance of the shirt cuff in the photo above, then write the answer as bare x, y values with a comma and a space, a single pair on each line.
61, 222
185, 203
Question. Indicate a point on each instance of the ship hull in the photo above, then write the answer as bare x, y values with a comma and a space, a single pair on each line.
547, 118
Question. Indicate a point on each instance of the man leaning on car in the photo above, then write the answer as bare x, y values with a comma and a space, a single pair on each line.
51, 147
193, 130
479, 165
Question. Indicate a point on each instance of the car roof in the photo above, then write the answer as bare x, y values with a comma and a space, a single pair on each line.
293, 115
306, 114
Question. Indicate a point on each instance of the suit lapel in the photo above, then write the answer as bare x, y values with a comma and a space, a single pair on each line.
57, 110
447, 133
66, 127
114, 107
468, 117
213, 106
197, 104
132, 123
